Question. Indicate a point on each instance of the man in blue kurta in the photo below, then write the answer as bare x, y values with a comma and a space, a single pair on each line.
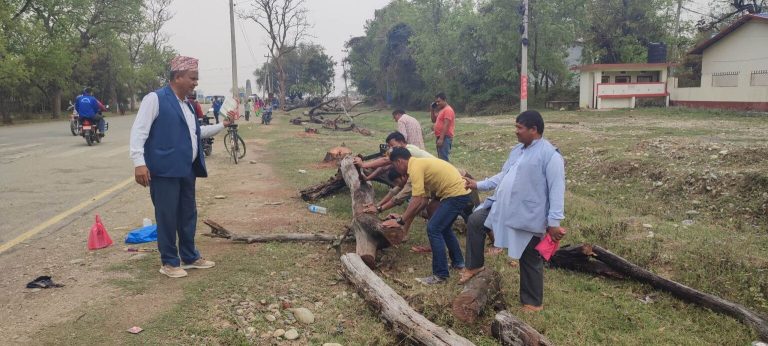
166, 152
528, 202
88, 107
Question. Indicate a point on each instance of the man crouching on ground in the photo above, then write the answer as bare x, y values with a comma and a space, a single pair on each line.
527, 203
166, 150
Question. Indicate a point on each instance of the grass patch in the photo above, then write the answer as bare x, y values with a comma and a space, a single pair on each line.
634, 177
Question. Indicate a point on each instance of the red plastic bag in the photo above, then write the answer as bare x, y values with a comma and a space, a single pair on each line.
548, 246
99, 238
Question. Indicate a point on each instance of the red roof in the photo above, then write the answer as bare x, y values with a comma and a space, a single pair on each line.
699, 49
622, 67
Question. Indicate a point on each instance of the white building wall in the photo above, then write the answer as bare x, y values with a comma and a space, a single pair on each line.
743, 50
586, 83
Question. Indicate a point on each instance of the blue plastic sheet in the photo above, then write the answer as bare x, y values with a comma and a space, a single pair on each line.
142, 235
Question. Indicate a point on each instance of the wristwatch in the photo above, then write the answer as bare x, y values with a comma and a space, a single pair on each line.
400, 221
378, 208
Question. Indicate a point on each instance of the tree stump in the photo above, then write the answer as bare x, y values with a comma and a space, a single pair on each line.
478, 292
513, 332
369, 235
393, 308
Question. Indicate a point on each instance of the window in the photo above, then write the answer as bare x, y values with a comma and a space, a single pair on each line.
644, 79
605, 79
622, 79
725, 79
759, 78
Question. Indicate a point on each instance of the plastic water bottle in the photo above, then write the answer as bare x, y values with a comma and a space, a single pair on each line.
318, 209
147, 222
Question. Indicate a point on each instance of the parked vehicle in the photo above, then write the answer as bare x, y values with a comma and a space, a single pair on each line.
207, 142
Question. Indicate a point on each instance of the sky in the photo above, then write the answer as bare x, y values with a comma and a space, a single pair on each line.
200, 29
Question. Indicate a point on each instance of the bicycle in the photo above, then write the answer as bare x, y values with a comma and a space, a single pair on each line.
234, 144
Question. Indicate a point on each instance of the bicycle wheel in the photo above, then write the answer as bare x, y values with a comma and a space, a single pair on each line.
240, 147
228, 143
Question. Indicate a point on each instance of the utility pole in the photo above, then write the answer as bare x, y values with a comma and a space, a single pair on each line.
344, 67
677, 29
524, 59
235, 89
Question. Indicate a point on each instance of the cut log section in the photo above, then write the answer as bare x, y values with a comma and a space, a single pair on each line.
684, 292
478, 293
329, 187
581, 258
393, 308
218, 231
511, 331
369, 235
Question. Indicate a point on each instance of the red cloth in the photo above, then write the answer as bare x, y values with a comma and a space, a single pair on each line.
184, 63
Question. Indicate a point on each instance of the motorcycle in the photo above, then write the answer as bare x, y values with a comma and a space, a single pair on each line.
90, 131
266, 115
74, 120
207, 142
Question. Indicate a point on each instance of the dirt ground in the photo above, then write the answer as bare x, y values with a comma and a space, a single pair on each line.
252, 192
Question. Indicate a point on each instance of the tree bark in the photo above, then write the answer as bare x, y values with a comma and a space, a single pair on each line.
480, 291
513, 332
324, 189
369, 234
394, 309
56, 105
581, 258
684, 292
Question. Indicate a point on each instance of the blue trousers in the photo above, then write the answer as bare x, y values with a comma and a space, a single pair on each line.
176, 213
444, 151
440, 233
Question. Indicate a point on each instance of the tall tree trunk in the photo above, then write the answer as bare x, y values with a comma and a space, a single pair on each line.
4, 110
56, 105
282, 82
133, 99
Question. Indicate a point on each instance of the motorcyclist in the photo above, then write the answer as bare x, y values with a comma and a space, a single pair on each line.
88, 107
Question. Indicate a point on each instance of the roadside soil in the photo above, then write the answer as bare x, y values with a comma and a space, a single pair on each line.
252, 192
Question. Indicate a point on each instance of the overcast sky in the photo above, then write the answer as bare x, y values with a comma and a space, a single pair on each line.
200, 28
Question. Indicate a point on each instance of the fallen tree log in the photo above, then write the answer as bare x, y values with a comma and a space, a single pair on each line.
511, 331
478, 292
581, 258
684, 292
369, 235
218, 231
332, 185
393, 308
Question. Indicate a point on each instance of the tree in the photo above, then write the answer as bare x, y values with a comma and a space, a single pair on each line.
308, 71
285, 22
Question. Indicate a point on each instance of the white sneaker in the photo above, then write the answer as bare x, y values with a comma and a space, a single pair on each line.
201, 263
173, 272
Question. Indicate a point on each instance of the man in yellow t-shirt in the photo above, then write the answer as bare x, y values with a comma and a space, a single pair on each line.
444, 181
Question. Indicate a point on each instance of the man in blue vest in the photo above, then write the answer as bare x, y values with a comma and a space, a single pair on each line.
166, 150
88, 107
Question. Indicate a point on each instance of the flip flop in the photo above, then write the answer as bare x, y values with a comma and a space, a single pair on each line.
421, 249
493, 251
467, 275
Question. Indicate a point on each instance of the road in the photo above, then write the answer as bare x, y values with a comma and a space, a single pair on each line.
45, 172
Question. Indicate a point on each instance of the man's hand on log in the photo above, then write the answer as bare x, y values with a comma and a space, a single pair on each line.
357, 161
392, 216
469, 183
390, 223
370, 209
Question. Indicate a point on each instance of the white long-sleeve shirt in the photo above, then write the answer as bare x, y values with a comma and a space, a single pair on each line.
148, 112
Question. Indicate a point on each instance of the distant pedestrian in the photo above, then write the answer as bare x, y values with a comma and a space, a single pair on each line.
409, 127
445, 123
217, 103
